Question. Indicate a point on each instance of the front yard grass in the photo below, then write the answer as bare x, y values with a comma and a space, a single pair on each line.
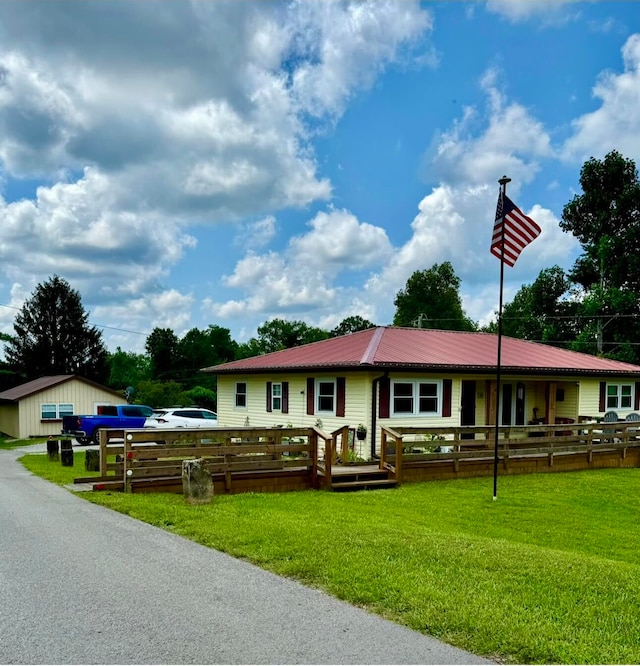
549, 573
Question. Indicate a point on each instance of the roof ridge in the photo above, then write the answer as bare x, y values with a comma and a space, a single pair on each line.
369, 355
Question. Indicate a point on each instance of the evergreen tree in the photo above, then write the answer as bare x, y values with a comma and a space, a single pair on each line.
53, 336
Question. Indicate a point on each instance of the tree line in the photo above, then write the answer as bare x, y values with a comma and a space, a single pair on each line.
592, 308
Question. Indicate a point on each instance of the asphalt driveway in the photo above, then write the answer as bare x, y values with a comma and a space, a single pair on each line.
81, 584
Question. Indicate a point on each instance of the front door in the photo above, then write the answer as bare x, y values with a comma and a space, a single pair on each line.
512, 404
468, 405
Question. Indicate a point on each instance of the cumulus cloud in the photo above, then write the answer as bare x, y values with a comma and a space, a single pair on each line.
143, 132
484, 144
302, 278
615, 124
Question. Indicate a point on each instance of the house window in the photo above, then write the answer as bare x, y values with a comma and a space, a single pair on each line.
276, 397
241, 394
416, 398
51, 411
620, 396
326, 396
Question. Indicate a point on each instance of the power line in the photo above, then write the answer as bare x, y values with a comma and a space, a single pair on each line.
111, 328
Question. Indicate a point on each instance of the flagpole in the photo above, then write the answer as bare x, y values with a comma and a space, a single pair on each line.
503, 184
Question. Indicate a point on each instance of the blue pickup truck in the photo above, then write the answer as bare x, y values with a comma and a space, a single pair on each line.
86, 428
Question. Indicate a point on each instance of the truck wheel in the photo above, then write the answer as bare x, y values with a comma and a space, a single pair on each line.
96, 437
83, 441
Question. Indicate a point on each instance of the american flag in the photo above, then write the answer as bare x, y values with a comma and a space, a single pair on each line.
519, 230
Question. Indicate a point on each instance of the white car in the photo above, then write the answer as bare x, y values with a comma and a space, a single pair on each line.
182, 417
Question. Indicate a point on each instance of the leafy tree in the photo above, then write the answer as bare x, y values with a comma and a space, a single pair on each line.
127, 369
605, 219
541, 311
159, 393
282, 334
53, 336
162, 347
201, 396
351, 325
251, 347
203, 348
431, 299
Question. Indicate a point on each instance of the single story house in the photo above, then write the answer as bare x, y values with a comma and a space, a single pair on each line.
35, 409
415, 377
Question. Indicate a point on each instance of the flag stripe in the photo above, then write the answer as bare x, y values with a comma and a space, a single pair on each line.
517, 228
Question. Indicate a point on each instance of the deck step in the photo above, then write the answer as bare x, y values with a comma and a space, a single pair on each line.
363, 484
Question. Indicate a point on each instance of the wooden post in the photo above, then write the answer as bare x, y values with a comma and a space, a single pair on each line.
328, 461
66, 453
197, 486
399, 452
52, 449
92, 460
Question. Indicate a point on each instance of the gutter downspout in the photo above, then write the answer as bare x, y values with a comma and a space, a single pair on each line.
374, 411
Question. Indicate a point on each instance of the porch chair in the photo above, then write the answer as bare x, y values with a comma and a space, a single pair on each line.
608, 433
633, 416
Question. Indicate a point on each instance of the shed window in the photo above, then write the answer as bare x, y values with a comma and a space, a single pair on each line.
51, 411
65, 409
48, 411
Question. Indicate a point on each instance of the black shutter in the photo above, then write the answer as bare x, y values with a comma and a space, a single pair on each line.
446, 397
269, 407
603, 397
310, 395
340, 397
385, 398
285, 397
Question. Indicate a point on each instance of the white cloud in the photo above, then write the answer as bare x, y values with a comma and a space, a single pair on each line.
616, 123
149, 117
521, 10
480, 148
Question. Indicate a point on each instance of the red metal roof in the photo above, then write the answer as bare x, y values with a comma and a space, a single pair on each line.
389, 347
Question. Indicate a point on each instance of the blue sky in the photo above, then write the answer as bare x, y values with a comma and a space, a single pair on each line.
185, 164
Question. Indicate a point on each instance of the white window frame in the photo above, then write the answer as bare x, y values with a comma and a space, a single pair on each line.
415, 397
276, 396
238, 394
323, 396
55, 409
615, 401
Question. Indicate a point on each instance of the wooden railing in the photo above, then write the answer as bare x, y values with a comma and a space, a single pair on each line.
227, 453
412, 446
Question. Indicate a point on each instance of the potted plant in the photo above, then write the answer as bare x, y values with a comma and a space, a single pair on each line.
361, 431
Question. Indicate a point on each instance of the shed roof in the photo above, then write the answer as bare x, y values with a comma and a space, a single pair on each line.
43, 383
388, 347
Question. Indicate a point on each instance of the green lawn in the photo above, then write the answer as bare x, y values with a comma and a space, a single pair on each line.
549, 573
18, 443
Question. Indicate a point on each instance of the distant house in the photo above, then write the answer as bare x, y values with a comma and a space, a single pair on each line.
410, 377
36, 408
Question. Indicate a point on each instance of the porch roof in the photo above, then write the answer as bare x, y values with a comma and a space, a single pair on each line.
388, 347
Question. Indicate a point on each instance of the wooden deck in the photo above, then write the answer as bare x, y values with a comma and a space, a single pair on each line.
285, 459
